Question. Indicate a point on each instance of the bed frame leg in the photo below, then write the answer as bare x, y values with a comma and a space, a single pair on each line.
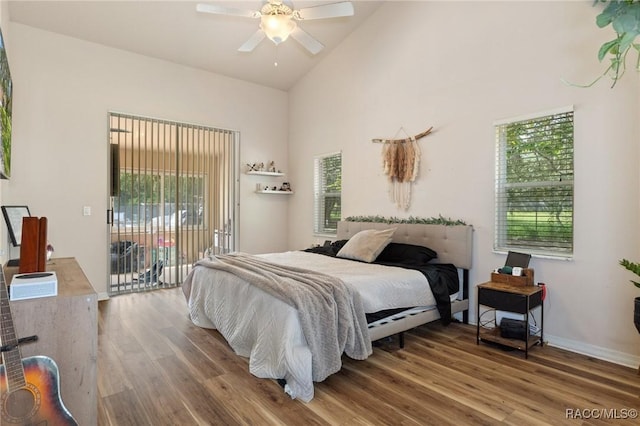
465, 294
401, 339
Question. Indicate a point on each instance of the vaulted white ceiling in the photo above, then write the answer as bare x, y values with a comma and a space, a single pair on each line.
174, 31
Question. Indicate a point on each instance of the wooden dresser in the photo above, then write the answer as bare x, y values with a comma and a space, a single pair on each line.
67, 330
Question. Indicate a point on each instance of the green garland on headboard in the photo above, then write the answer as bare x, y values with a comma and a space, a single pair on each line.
440, 220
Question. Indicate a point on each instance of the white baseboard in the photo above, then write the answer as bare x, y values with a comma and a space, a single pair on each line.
598, 352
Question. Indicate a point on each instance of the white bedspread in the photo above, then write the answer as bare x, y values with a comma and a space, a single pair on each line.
380, 287
267, 331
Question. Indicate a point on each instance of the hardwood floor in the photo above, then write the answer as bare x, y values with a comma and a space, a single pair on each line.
156, 368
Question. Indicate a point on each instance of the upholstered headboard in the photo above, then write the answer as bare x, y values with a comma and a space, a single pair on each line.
452, 243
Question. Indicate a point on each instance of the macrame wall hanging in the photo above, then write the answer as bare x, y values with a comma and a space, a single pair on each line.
401, 162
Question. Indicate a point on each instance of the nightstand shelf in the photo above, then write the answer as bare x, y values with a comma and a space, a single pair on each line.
493, 335
515, 299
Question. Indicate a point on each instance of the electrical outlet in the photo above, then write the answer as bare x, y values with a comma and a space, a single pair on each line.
86, 211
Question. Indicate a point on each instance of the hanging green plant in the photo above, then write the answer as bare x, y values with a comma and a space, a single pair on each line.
624, 18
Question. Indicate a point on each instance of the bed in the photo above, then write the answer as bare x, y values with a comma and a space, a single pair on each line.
355, 302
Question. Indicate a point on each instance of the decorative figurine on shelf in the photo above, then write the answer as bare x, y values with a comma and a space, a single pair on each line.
261, 167
274, 188
49, 250
272, 167
285, 186
252, 167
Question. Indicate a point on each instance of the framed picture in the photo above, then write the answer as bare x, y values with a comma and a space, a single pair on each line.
6, 95
13, 216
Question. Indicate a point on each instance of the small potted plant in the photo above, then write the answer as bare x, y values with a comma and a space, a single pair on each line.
635, 268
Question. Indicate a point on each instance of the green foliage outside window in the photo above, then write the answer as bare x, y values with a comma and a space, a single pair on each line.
145, 196
535, 185
328, 193
332, 167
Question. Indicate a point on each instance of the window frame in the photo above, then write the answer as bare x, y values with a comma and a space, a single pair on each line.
320, 195
559, 181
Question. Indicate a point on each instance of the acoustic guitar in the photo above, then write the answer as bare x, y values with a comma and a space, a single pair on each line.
29, 387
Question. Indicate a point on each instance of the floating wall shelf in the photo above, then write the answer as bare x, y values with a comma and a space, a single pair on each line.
266, 173
272, 191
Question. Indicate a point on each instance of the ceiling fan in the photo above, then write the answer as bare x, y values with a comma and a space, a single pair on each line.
277, 21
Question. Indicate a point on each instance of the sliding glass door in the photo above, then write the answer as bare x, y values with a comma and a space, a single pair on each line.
173, 198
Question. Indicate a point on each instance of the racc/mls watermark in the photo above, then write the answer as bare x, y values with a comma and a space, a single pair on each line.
601, 413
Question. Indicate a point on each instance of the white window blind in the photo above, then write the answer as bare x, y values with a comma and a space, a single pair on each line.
534, 184
327, 193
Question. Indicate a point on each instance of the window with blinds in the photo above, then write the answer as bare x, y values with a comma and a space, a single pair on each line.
534, 184
327, 193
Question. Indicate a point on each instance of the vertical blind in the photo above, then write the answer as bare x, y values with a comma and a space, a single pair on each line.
327, 193
534, 184
174, 189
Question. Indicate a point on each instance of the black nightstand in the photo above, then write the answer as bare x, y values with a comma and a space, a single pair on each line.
510, 298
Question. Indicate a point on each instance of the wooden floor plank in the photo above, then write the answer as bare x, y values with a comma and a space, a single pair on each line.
545, 390
125, 410
431, 384
156, 368
114, 380
421, 399
502, 382
189, 389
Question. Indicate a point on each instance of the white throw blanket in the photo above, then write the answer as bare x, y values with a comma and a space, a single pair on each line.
330, 312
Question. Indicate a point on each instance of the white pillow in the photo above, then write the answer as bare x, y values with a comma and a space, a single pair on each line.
366, 245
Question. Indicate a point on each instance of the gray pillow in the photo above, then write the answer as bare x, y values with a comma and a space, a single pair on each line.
366, 245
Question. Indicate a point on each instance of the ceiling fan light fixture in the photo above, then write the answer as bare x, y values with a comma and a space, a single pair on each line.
278, 21
277, 27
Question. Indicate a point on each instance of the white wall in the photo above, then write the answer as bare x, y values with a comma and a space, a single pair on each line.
64, 89
459, 66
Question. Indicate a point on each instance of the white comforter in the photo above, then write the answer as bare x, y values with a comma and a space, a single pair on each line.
267, 331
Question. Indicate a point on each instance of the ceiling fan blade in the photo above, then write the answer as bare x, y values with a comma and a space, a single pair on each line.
253, 41
310, 43
220, 10
333, 10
